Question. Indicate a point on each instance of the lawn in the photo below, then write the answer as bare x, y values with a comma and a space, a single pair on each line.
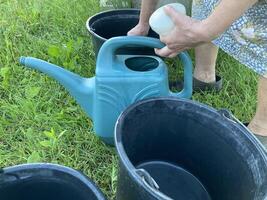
40, 122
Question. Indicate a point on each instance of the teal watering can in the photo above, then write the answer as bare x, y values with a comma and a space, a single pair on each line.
119, 81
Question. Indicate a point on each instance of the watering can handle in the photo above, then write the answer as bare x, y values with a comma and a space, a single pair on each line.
106, 57
188, 77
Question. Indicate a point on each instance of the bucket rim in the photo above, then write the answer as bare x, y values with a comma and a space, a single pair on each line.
88, 22
128, 164
12, 170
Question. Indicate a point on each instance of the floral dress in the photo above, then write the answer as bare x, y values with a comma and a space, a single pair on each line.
246, 39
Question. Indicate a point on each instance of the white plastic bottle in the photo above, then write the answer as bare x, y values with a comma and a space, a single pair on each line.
161, 23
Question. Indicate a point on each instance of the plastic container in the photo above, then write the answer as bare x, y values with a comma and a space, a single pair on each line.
172, 148
186, 3
46, 182
161, 23
113, 23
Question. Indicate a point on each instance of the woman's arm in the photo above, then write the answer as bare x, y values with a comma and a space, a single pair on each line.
224, 15
147, 8
189, 33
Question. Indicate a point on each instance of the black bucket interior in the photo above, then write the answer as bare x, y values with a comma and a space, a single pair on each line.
141, 64
108, 27
116, 23
44, 184
181, 183
192, 152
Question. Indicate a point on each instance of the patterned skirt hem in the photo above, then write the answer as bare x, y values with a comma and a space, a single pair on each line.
235, 50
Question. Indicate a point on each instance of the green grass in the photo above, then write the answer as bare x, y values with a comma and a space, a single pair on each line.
40, 122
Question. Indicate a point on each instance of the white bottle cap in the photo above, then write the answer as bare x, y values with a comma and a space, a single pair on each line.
161, 23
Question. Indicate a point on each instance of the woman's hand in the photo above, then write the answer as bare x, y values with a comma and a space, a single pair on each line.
140, 29
188, 33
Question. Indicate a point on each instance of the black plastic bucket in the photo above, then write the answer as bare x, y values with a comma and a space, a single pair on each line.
46, 182
171, 148
113, 23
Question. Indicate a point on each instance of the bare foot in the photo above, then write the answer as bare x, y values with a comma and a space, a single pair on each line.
206, 77
258, 127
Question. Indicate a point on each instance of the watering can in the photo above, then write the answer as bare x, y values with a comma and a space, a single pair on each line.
119, 81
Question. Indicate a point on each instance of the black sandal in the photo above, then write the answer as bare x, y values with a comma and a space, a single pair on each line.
200, 85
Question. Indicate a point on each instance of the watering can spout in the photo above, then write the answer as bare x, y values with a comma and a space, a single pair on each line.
80, 88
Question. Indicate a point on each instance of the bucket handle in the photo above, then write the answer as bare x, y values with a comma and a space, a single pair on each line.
2, 171
151, 184
229, 116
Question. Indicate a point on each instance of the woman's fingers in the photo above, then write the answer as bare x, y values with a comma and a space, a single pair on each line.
170, 53
164, 52
173, 55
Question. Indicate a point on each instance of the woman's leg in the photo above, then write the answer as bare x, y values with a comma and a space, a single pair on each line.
259, 123
206, 55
